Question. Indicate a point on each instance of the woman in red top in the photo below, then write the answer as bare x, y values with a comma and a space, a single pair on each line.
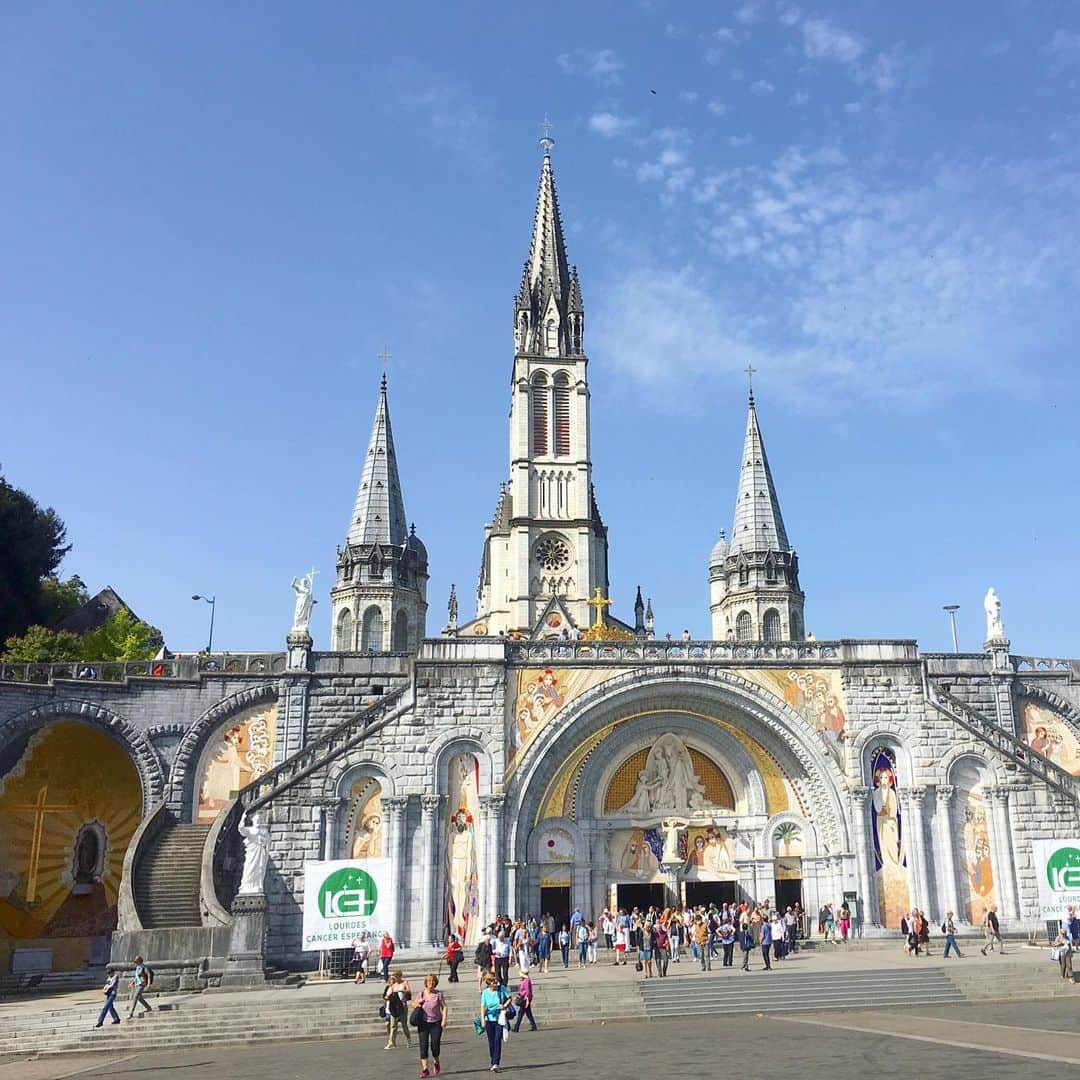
454, 953
386, 954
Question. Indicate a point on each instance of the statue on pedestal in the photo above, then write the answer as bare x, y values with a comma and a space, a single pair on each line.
256, 853
305, 601
995, 628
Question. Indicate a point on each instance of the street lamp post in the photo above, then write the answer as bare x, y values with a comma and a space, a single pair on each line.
212, 601
952, 609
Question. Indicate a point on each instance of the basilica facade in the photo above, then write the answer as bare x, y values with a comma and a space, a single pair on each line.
542, 755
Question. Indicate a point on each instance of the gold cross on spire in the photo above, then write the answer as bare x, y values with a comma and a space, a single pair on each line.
598, 603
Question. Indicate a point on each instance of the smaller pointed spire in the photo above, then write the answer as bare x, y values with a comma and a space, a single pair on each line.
650, 622
379, 511
759, 525
639, 614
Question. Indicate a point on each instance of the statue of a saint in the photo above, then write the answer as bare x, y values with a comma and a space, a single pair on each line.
305, 601
452, 609
256, 853
992, 606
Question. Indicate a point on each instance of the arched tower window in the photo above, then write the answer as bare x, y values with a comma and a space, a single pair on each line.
744, 626
401, 632
539, 400
345, 631
371, 630
551, 337
562, 415
770, 625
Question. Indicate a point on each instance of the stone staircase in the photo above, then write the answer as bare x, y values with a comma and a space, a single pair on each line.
790, 991
987, 731
166, 879
319, 753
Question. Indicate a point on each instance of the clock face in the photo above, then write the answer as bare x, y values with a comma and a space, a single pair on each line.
552, 553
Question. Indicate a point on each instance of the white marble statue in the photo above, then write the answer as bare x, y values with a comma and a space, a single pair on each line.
256, 853
668, 782
671, 827
305, 601
995, 628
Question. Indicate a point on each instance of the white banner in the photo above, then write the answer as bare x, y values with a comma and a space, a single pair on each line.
1057, 871
345, 899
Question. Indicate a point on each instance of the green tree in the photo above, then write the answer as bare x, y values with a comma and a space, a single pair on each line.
32, 545
122, 637
59, 599
42, 646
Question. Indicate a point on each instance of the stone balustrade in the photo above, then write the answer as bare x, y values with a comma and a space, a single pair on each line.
178, 667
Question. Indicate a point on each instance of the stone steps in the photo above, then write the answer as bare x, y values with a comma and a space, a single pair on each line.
167, 878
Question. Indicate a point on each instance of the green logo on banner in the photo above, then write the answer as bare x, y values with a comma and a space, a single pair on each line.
349, 891
1063, 869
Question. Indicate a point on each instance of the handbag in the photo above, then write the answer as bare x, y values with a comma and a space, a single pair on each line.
639, 966
478, 1024
416, 1017
383, 1015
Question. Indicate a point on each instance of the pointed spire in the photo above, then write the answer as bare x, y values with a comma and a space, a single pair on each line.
759, 525
639, 614
548, 269
379, 514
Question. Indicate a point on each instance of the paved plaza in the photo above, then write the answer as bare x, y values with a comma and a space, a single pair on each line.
1035, 1040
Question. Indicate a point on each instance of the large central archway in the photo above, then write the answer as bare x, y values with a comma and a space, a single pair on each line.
778, 772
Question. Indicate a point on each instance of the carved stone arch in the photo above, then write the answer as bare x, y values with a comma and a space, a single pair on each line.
957, 755
1053, 701
461, 740
580, 841
345, 771
134, 741
673, 688
894, 738
181, 793
764, 839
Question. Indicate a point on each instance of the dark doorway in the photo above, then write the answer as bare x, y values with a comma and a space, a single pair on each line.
640, 896
788, 892
555, 901
711, 892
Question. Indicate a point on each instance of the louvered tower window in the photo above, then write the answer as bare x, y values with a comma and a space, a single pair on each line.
562, 416
539, 402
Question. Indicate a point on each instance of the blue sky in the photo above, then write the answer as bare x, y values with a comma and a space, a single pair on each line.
215, 216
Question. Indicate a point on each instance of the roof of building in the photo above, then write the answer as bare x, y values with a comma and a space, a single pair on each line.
759, 525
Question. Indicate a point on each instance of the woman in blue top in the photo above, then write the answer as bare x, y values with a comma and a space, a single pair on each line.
564, 945
543, 948
493, 1004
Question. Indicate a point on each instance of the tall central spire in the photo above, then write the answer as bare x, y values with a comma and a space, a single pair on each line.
548, 311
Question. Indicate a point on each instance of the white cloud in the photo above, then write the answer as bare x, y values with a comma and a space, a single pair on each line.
761, 88
454, 121
790, 16
601, 65
717, 107
799, 99
848, 281
675, 31
1064, 42
748, 12
823, 41
735, 141
689, 96
610, 125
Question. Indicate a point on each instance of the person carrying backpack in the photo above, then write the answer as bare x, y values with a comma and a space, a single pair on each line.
395, 996
482, 958
142, 978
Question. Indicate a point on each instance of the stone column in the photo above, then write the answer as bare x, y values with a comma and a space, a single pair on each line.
1004, 864
860, 802
914, 800
491, 812
510, 869
429, 824
394, 811
946, 852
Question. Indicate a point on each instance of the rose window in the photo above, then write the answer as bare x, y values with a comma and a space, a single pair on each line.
552, 553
